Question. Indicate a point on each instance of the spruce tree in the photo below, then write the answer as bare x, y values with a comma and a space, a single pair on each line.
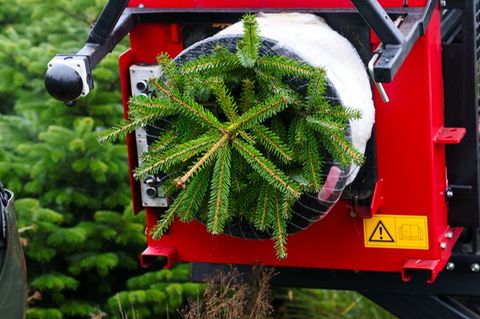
228, 113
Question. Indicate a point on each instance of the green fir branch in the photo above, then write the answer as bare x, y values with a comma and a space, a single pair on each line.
144, 105
195, 194
264, 209
283, 66
340, 113
259, 113
287, 203
204, 160
316, 92
312, 164
272, 143
224, 99
343, 150
211, 65
279, 228
266, 169
174, 156
160, 145
248, 96
167, 217
249, 45
219, 193
128, 126
324, 125
189, 107
171, 71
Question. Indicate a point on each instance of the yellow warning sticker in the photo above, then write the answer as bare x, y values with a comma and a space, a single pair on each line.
396, 231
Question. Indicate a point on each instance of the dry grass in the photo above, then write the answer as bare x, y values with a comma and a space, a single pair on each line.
227, 296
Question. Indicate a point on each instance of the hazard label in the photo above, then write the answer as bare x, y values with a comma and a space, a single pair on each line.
396, 231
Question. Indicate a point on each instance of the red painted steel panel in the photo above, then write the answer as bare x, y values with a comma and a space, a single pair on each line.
299, 4
410, 164
124, 62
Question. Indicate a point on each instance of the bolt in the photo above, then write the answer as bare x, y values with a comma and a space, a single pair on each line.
443, 3
475, 267
449, 193
353, 214
141, 6
450, 266
449, 235
443, 245
150, 180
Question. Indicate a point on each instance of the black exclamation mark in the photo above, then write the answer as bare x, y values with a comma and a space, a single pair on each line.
381, 232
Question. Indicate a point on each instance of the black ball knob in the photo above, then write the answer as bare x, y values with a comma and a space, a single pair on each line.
63, 83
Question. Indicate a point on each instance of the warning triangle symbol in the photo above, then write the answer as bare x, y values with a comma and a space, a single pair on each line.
380, 234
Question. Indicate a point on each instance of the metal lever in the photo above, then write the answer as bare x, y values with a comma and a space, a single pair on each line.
371, 64
397, 41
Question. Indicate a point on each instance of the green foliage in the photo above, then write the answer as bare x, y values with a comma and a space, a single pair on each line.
242, 110
41, 313
155, 294
328, 304
72, 195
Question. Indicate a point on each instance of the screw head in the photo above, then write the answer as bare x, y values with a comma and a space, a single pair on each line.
449, 193
449, 235
450, 266
443, 245
475, 267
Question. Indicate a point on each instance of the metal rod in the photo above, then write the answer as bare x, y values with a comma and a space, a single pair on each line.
371, 64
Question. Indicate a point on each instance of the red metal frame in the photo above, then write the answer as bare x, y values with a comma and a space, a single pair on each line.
267, 4
411, 164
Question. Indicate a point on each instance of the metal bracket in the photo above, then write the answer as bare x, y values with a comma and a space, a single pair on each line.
397, 41
449, 135
432, 266
156, 254
368, 208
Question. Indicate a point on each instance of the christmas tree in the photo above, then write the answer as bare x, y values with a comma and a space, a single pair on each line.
238, 122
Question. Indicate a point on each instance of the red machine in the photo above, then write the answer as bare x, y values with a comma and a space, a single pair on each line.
416, 194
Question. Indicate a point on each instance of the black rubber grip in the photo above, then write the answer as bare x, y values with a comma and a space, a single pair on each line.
107, 21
